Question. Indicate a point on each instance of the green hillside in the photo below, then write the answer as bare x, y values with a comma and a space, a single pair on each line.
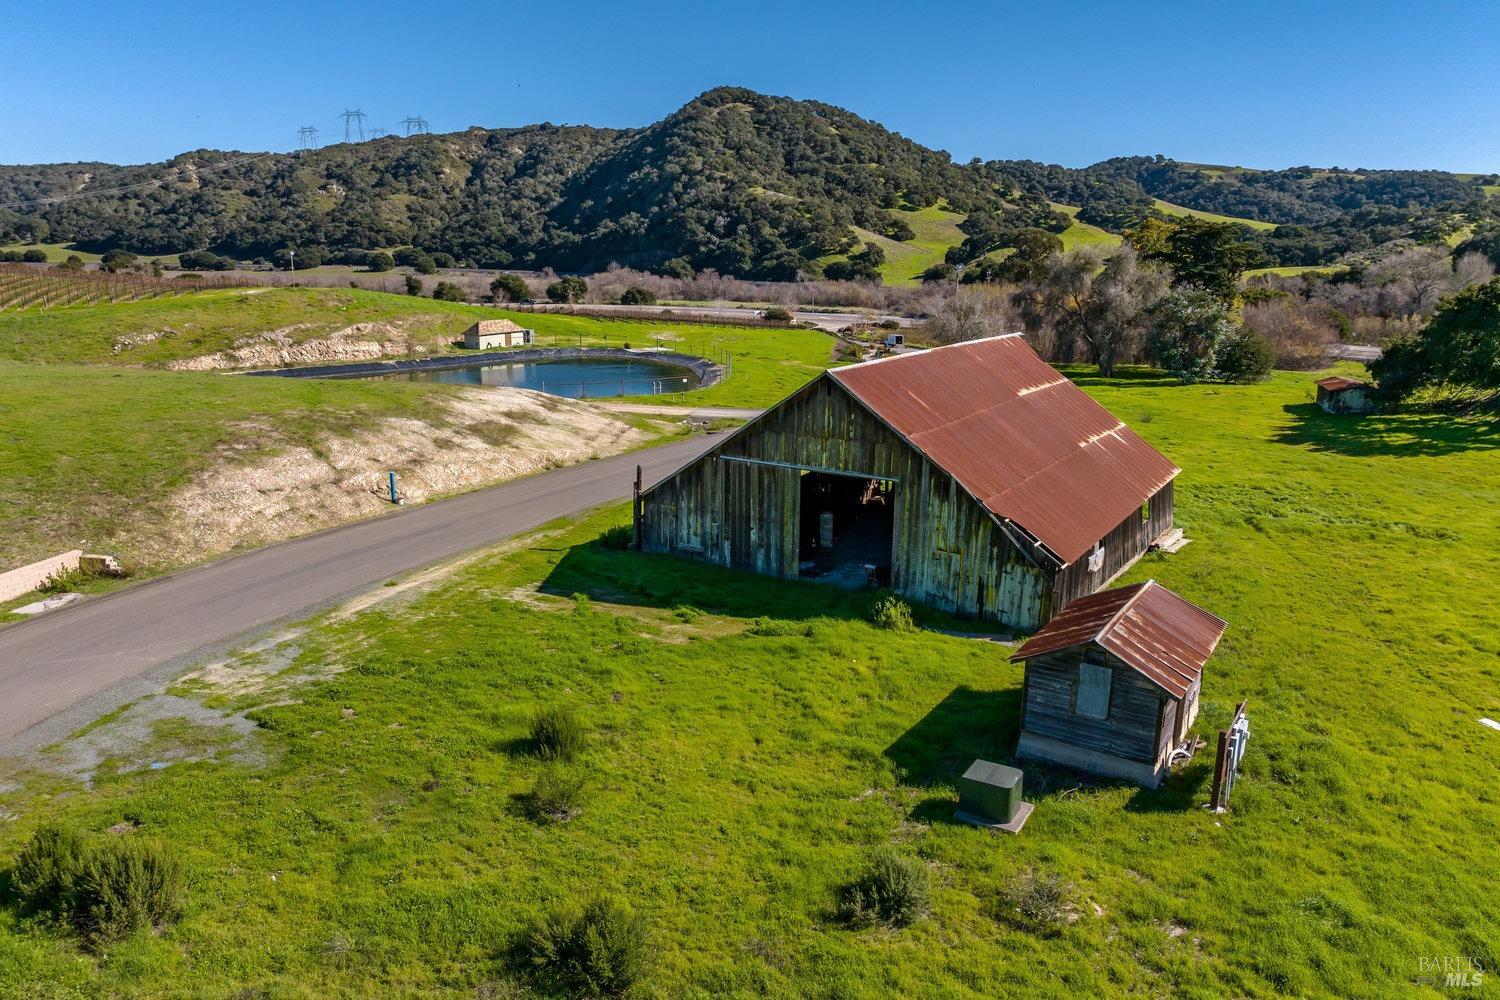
1167, 208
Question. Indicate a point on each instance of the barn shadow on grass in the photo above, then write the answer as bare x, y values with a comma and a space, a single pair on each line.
967, 725
609, 574
1414, 434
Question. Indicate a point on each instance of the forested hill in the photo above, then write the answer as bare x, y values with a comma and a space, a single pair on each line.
749, 184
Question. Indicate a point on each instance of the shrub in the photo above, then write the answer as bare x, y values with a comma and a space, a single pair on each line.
413, 285
599, 950
570, 289
894, 891
637, 296
1037, 900
556, 797
127, 886
556, 733
204, 260
509, 288
381, 261
49, 870
424, 264
444, 259
34, 256
618, 537
447, 291
105, 892
776, 314
73, 263
116, 260
892, 614
1245, 357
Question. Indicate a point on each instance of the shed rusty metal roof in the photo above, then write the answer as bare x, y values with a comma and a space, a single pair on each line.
1028, 444
1337, 383
1165, 638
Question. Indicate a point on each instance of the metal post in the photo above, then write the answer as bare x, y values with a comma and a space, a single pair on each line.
635, 508
392, 476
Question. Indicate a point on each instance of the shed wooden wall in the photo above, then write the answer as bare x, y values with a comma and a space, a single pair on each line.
1122, 546
947, 550
1136, 706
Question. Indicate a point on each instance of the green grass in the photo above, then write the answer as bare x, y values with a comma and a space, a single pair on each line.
936, 231
1167, 208
59, 252
1290, 271
84, 450
201, 323
751, 742
768, 363
1081, 234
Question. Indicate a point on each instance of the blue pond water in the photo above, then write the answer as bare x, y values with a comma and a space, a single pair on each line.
578, 378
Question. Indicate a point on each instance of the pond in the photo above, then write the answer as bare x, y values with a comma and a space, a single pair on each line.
577, 378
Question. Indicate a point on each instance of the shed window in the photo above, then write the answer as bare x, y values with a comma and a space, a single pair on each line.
1093, 691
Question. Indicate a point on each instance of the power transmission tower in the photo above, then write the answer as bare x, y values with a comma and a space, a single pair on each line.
378, 133
307, 137
354, 124
415, 123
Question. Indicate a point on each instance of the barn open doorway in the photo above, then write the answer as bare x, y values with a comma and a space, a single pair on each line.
846, 529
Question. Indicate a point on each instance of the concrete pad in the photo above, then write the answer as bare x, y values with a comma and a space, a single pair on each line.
47, 604
1014, 826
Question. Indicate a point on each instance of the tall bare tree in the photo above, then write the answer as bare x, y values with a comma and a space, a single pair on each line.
1100, 302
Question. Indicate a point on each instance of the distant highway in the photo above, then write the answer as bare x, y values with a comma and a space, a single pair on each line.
65, 668
1355, 352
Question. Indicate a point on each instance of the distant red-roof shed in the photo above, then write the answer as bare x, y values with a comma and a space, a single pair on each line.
1338, 394
973, 477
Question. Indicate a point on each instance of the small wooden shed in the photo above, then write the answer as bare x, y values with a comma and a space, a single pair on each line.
1112, 682
1338, 394
489, 333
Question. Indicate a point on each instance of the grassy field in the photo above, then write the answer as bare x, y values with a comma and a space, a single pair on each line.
59, 252
751, 742
87, 448
1082, 233
1167, 208
1291, 271
767, 363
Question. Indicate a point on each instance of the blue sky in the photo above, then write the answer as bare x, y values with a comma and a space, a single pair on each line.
1268, 85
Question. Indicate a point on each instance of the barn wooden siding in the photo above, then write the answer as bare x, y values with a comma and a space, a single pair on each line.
738, 506
1141, 719
1122, 546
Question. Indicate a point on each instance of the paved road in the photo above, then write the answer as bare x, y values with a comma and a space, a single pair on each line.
829, 321
73, 661
1355, 352
704, 412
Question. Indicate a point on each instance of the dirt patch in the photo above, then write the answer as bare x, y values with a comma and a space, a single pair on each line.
283, 346
483, 436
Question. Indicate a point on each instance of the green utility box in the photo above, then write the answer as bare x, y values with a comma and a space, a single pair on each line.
990, 792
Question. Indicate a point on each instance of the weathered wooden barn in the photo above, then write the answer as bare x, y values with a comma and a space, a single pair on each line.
1112, 682
973, 478
1338, 394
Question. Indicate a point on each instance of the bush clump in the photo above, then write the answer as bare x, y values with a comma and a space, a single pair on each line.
1245, 357
556, 797
556, 733
618, 537
1038, 900
599, 950
105, 892
893, 892
49, 870
776, 314
892, 614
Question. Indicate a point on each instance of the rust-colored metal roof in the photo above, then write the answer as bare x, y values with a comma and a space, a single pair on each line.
1337, 383
1158, 633
1028, 444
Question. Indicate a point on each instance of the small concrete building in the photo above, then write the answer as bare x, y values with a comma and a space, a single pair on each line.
1112, 682
1344, 395
489, 333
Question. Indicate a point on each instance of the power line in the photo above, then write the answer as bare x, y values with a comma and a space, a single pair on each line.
354, 124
